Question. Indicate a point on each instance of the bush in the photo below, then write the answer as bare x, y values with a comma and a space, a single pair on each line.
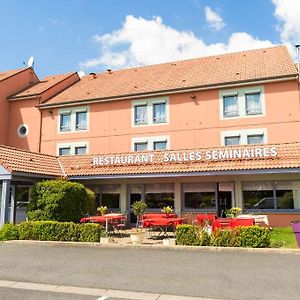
57, 200
254, 236
9, 232
89, 204
59, 231
192, 236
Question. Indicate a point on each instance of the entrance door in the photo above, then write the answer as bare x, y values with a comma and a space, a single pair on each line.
225, 198
135, 193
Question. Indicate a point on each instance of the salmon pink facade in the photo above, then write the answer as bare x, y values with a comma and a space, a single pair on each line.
232, 101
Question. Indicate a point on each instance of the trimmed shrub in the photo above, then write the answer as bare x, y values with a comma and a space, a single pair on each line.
9, 232
57, 200
191, 235
90, 232
59, 231
254, 236
89, 204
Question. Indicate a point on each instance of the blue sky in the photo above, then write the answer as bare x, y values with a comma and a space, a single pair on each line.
93, 35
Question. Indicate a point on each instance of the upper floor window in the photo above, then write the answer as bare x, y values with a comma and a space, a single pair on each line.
241, 103
140, 146
159, 112
140, 114
150, 112
150, 143
160, 145
78, 148
65, 121
232, 140
253, 139
244, 137
230, 106
64, 151
253, 104
81, 117
73, 120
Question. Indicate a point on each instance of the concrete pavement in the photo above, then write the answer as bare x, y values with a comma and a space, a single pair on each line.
219, 275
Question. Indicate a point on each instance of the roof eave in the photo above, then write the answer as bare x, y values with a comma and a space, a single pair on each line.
171, 91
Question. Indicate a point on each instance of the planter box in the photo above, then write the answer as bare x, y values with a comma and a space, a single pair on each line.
296, 228
106, 240
137, 237
169, 242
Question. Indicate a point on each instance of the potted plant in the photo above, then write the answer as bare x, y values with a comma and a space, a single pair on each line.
167, 210
102, 210
139, 208
235, 211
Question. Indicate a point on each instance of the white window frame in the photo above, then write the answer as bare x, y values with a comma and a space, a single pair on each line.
73, 112
241, 102
150, 116
243, 133
72, 147
150, 141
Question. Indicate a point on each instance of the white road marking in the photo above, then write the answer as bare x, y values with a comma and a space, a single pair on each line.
102, 298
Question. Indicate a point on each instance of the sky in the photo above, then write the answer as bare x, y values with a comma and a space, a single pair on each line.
95, 35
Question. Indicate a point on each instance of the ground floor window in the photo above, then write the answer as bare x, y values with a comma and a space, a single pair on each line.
271, 195
203, 195
108, 195
156, 195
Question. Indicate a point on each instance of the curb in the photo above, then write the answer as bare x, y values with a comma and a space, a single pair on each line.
160, 247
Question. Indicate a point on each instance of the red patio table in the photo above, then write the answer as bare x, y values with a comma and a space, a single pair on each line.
162, 224
102, 219
158, 216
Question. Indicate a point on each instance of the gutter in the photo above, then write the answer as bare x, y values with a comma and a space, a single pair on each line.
168, 92
189, 174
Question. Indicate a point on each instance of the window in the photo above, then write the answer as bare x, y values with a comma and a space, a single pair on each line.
65, 121
159, 112
271, 195
108, 195
244, 102
73, 119
64, 151
80, 150
140, 114
232, 140
160, 145
81, 120
244, 137
255, 139
253, 104
140, 146
150, 143
150, 111
159, 195
230, 106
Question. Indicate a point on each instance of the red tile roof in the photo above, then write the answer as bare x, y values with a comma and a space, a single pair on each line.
21, 161
234, 68
16, 160
42, 85
10, 73
288, 157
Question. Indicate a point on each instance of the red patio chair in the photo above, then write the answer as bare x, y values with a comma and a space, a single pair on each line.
205, 219
221, 223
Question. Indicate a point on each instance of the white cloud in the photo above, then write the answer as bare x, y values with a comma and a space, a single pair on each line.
142, 42
288, 12
214, 20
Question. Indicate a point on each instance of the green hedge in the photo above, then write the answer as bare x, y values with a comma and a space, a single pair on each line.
254, 236
52, 231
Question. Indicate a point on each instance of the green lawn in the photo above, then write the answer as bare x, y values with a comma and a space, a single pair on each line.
283, 237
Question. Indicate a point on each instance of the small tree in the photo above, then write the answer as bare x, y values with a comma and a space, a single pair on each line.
57, 200
139, 208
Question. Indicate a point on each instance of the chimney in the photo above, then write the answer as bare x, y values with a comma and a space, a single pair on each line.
94, 75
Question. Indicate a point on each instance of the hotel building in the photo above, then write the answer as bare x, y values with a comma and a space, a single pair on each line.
201, 135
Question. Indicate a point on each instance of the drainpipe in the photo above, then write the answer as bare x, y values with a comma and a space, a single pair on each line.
298, 66
41, 123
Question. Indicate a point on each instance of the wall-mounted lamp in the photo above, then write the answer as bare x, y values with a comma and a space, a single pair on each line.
193, 96
50, 112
